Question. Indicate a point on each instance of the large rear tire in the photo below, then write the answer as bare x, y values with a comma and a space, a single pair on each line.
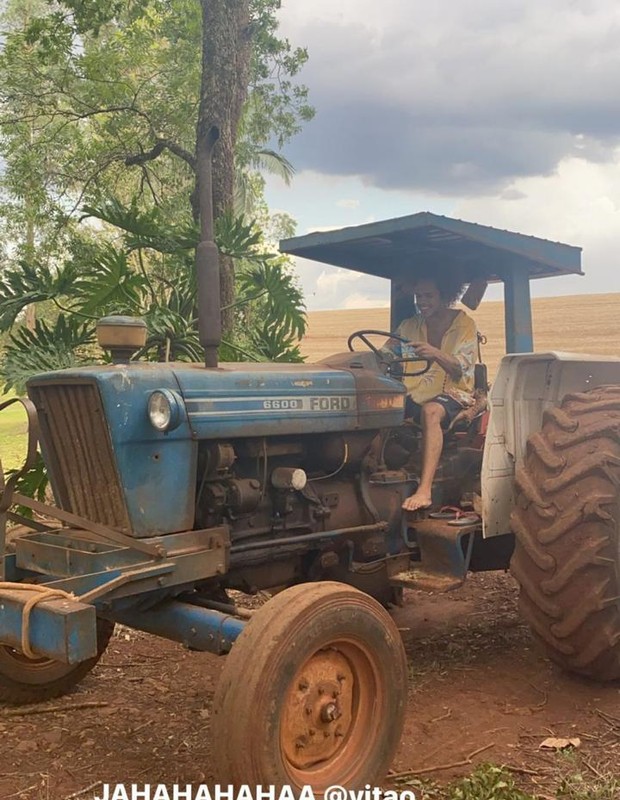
313, 693
31, 680
567, 528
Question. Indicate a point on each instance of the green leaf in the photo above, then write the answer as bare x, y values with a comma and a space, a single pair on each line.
283, 299
237, 238
171, 336
32, 484
48, 347
110, 285
272, 342
146, 228
22, 285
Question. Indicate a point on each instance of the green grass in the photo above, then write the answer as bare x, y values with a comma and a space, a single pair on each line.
13, 427
586, 787
490, 782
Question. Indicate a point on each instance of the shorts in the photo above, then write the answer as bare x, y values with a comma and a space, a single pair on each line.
451, 406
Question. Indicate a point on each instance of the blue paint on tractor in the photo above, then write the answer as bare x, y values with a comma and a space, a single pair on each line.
62, 629
518, 313
156, 470
196, 627
151, 467
66, 630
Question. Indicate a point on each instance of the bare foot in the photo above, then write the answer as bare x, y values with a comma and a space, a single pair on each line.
417, 501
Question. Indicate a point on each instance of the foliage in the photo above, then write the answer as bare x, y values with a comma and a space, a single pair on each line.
100, 106
488, 782
148, 273
33, 483
48, 347
578, 787
102, 98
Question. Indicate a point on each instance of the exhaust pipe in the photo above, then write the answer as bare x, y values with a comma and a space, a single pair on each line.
207, 257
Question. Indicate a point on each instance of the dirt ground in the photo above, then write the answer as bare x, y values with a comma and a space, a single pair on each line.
478, 686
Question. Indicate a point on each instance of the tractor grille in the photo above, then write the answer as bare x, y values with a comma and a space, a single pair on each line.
79, 452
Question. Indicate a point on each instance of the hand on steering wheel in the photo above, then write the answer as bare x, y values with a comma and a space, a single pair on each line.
364, 333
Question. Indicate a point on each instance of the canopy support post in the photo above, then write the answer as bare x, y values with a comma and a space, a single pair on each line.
518, 311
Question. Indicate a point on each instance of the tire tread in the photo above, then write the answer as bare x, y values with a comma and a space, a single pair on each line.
567, 528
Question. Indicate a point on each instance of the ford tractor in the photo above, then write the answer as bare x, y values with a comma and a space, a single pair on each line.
178, 485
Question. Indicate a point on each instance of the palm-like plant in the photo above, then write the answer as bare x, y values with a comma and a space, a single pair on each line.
149, 273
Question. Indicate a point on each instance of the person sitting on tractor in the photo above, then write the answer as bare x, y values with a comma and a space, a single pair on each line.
448, 339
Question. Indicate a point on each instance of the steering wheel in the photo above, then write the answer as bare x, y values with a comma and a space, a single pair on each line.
363, 334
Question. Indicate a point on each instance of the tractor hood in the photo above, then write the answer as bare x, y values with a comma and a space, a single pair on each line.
110, 464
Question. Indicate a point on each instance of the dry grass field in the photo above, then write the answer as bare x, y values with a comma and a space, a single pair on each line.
579, 323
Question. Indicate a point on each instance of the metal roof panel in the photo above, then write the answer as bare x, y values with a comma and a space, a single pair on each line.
396, 248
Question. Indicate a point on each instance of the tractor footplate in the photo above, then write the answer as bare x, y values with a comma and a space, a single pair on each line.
443, 561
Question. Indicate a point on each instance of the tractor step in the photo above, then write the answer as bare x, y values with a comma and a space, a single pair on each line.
443, 561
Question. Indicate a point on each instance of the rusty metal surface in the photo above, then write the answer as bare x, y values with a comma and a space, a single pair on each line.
195, 627
444, 563
189, 558
80, 522
64, 553
78, 452
319, 709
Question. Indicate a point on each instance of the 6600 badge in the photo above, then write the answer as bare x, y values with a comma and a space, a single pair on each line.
320, 403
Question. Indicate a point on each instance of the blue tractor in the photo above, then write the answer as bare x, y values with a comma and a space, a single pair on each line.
176, 484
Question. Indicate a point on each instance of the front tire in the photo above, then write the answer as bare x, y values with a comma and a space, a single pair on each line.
567, 528
313, 693
32, 680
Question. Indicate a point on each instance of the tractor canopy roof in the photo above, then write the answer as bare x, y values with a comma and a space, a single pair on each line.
398, 248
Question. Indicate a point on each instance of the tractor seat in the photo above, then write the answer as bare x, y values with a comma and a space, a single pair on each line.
466, 418
474, 420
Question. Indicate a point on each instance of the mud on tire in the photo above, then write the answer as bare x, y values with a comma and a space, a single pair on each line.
313, 693
567, 528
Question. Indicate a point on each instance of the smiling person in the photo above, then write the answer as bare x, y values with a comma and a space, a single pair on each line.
448, 339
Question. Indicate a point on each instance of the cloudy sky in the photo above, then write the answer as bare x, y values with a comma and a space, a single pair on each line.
501, 112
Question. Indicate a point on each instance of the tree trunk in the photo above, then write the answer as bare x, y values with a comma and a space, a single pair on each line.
226, 52
31, 310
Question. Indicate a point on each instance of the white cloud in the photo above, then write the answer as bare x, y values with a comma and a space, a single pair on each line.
322, 228
348, 203
358, 300
332, 280
579, 204
501, 113
456, 96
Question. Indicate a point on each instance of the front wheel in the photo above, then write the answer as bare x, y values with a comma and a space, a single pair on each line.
313, 693
31, 680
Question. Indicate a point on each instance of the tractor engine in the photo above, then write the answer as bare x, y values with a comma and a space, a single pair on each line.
289, 459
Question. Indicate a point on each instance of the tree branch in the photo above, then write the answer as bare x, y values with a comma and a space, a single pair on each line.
157, 149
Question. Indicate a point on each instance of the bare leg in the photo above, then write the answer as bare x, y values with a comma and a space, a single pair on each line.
433, 415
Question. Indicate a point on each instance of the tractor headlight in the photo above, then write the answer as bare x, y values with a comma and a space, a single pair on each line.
165, 412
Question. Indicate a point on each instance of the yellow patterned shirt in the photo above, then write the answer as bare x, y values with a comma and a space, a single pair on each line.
460, 341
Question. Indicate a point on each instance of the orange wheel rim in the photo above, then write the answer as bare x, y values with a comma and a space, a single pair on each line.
329, 712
